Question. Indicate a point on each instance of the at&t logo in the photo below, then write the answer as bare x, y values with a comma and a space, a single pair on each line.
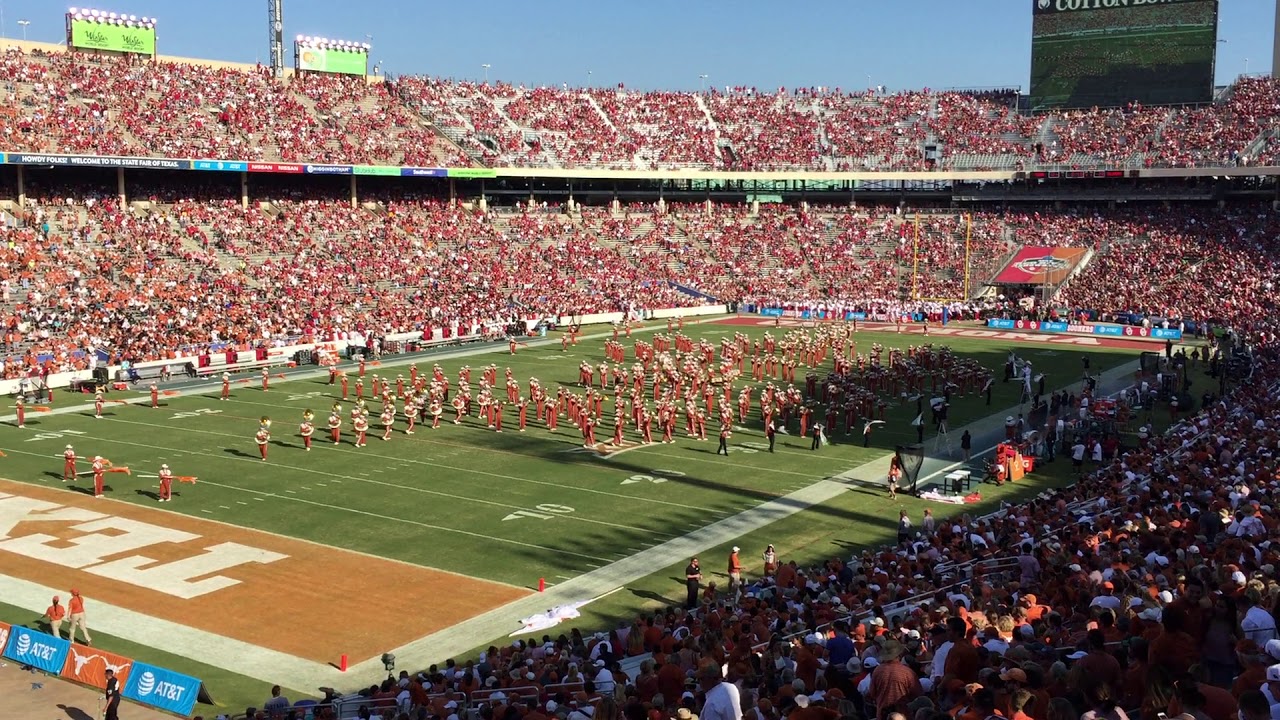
148, 685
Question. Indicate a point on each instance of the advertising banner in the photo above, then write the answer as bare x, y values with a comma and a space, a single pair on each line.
1040, 266
423, 172
332, 61
98, 161
329, 169
89, 665
220, 165
91, 35
1087, 329
40, 651
275, 167
164, 689
376, 170
472, 173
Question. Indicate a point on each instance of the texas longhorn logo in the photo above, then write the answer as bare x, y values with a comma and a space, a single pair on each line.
1046, 264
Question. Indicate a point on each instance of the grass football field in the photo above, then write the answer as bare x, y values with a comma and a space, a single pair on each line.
509, 507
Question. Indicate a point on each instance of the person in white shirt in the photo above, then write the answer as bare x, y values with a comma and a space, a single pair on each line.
940, 655
723, 701
1257, 624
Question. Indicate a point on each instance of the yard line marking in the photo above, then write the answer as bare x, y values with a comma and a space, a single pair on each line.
321, 485
259, 499
206, 511
241, 502
512, 478
223, 507
563, 577
654, 533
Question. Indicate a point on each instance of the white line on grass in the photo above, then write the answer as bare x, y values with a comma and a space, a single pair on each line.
513, 478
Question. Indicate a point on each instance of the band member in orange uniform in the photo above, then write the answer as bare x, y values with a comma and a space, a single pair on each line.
99, 467
335, 424
388, 419
21, 410
166, 483
306, 429
97, 404
262, 437
69, 464
266, 377
361, 425
155, 396
226, 386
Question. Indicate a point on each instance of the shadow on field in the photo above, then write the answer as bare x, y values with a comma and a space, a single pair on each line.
89, 490
74, 713
651, 595
52, 474
239, 453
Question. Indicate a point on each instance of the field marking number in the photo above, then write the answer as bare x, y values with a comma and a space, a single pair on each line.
545, 511
194, 413
54, 435
304, 396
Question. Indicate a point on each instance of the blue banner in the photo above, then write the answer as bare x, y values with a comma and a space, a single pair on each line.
1088, 329
223, 165
1052, 326
1110, 330
164, 689
1000, 324
771, 312
1166, 334
97, 161
330, 169
40, 651
855, 316
423, 172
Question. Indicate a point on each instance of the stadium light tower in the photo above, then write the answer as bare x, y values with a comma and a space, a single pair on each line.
486, 67
703, 80
24, 23
275, 35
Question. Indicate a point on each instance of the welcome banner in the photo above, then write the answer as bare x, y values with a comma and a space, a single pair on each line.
1040, 266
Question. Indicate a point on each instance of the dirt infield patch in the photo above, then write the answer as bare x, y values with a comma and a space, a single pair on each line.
295, 597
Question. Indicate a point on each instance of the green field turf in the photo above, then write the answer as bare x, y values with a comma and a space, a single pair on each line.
511, 507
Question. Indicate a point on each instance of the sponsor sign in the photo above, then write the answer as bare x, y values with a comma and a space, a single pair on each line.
376, 170
89, 665
329, 169
40, 651
472, 173
91, 35
424, 172
164, 689
771, 312
1046, 7
329, 60
276, 167
1040, 266
98, 161
220, 165
1087, 329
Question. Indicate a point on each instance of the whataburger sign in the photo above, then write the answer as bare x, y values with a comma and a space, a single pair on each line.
108, 546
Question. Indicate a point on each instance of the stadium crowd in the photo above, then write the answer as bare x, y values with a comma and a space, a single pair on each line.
1146, 590
72, 103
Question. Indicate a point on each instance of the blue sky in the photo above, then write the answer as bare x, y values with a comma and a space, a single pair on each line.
651, 43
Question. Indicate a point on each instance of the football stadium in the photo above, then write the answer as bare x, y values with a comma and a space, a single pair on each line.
340, 394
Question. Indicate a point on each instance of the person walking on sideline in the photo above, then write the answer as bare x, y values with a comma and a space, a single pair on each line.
817, 437
76, 608
54, 615
692, 576
735, 571
111, 693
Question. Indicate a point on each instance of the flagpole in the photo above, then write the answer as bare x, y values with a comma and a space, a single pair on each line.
968, 235
915, 262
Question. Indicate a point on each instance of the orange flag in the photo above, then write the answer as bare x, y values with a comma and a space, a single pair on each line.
186, 479
124, 470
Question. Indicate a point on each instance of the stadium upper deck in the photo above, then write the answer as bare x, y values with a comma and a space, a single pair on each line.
83, 104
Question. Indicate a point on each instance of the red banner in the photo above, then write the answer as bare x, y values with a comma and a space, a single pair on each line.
1040, 266
275, 167
89, 665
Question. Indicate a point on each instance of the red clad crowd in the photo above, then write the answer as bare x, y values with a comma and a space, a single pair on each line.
77, 104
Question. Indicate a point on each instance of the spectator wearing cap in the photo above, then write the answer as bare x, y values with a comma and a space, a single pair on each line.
1254, 673
893, 684
54, 616
1107, 598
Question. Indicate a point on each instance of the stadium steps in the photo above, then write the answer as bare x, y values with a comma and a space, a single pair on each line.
600, 111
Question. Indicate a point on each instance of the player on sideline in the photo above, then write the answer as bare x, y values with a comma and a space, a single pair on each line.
155, 396
306, 429
226, 386
166, 484
97, 404
69, 464
262, 437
